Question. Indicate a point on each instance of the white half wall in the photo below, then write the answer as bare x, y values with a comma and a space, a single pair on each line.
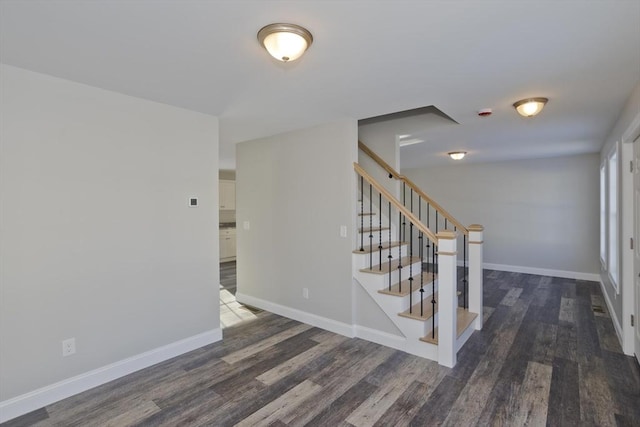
98, 242
540, 214
295, 191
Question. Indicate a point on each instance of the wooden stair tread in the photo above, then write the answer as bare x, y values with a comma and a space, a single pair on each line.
427, 309
395, 289
374, 247
385, 268
464, 319
370, 229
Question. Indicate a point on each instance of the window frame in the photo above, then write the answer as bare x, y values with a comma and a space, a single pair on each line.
613, 216
603, 214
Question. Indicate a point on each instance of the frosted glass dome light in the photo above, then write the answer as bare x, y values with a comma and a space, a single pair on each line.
457, 155
285, 42
530, 107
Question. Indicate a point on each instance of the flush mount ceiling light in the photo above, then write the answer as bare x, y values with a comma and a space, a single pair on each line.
530, 107
457, 155
285, 42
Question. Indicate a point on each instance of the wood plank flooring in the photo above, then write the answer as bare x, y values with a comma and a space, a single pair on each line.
543, 358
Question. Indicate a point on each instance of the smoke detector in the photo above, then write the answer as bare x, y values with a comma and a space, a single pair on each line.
485, 112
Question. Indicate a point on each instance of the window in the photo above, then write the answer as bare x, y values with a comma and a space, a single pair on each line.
612, 217
603, 215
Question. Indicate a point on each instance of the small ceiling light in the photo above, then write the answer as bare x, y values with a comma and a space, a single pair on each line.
457, 155
530, 107
285, 42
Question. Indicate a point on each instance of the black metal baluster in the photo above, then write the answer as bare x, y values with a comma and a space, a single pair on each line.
400, 259
433, 294
420, 235
380, 233
410, 266
361, 214
464, 272
445, 223
370, 230
434, 245
411, 203
421, 251
404, 220
389, 256
411, 257
428, 241
456, 261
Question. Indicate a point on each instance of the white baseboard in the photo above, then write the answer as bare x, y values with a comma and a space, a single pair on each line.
543, 272
379, 337
351, 331
47, 395
612, 314
299, 315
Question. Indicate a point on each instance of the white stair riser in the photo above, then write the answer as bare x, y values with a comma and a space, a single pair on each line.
361, 260
395, 274
375, 234
376, 283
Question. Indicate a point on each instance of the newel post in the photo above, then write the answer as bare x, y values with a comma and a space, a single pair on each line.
447, 298
475, 272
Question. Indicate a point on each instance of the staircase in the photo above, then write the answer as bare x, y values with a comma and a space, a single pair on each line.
411, 272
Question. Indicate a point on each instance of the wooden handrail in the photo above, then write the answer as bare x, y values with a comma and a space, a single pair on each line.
392, 172
416, 222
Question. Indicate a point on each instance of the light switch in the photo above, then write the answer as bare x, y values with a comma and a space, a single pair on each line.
246, 225
343, 231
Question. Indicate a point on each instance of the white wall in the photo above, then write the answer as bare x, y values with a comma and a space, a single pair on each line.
97, 241
539, 214
627, 117
296, 190
381, 138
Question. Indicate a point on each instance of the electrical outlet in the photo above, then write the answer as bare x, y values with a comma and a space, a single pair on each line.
68, 347
246, 225
305, 293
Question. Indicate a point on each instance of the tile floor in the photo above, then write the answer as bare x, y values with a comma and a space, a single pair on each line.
231, 311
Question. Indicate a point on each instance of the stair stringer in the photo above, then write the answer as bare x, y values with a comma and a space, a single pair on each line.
411, 329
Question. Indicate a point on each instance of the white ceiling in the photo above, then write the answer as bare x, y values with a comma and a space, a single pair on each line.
368, 58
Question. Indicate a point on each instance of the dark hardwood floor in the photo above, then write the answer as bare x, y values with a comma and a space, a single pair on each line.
544, 357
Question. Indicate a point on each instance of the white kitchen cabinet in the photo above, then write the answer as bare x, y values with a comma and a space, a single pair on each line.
227, 244
227, 195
